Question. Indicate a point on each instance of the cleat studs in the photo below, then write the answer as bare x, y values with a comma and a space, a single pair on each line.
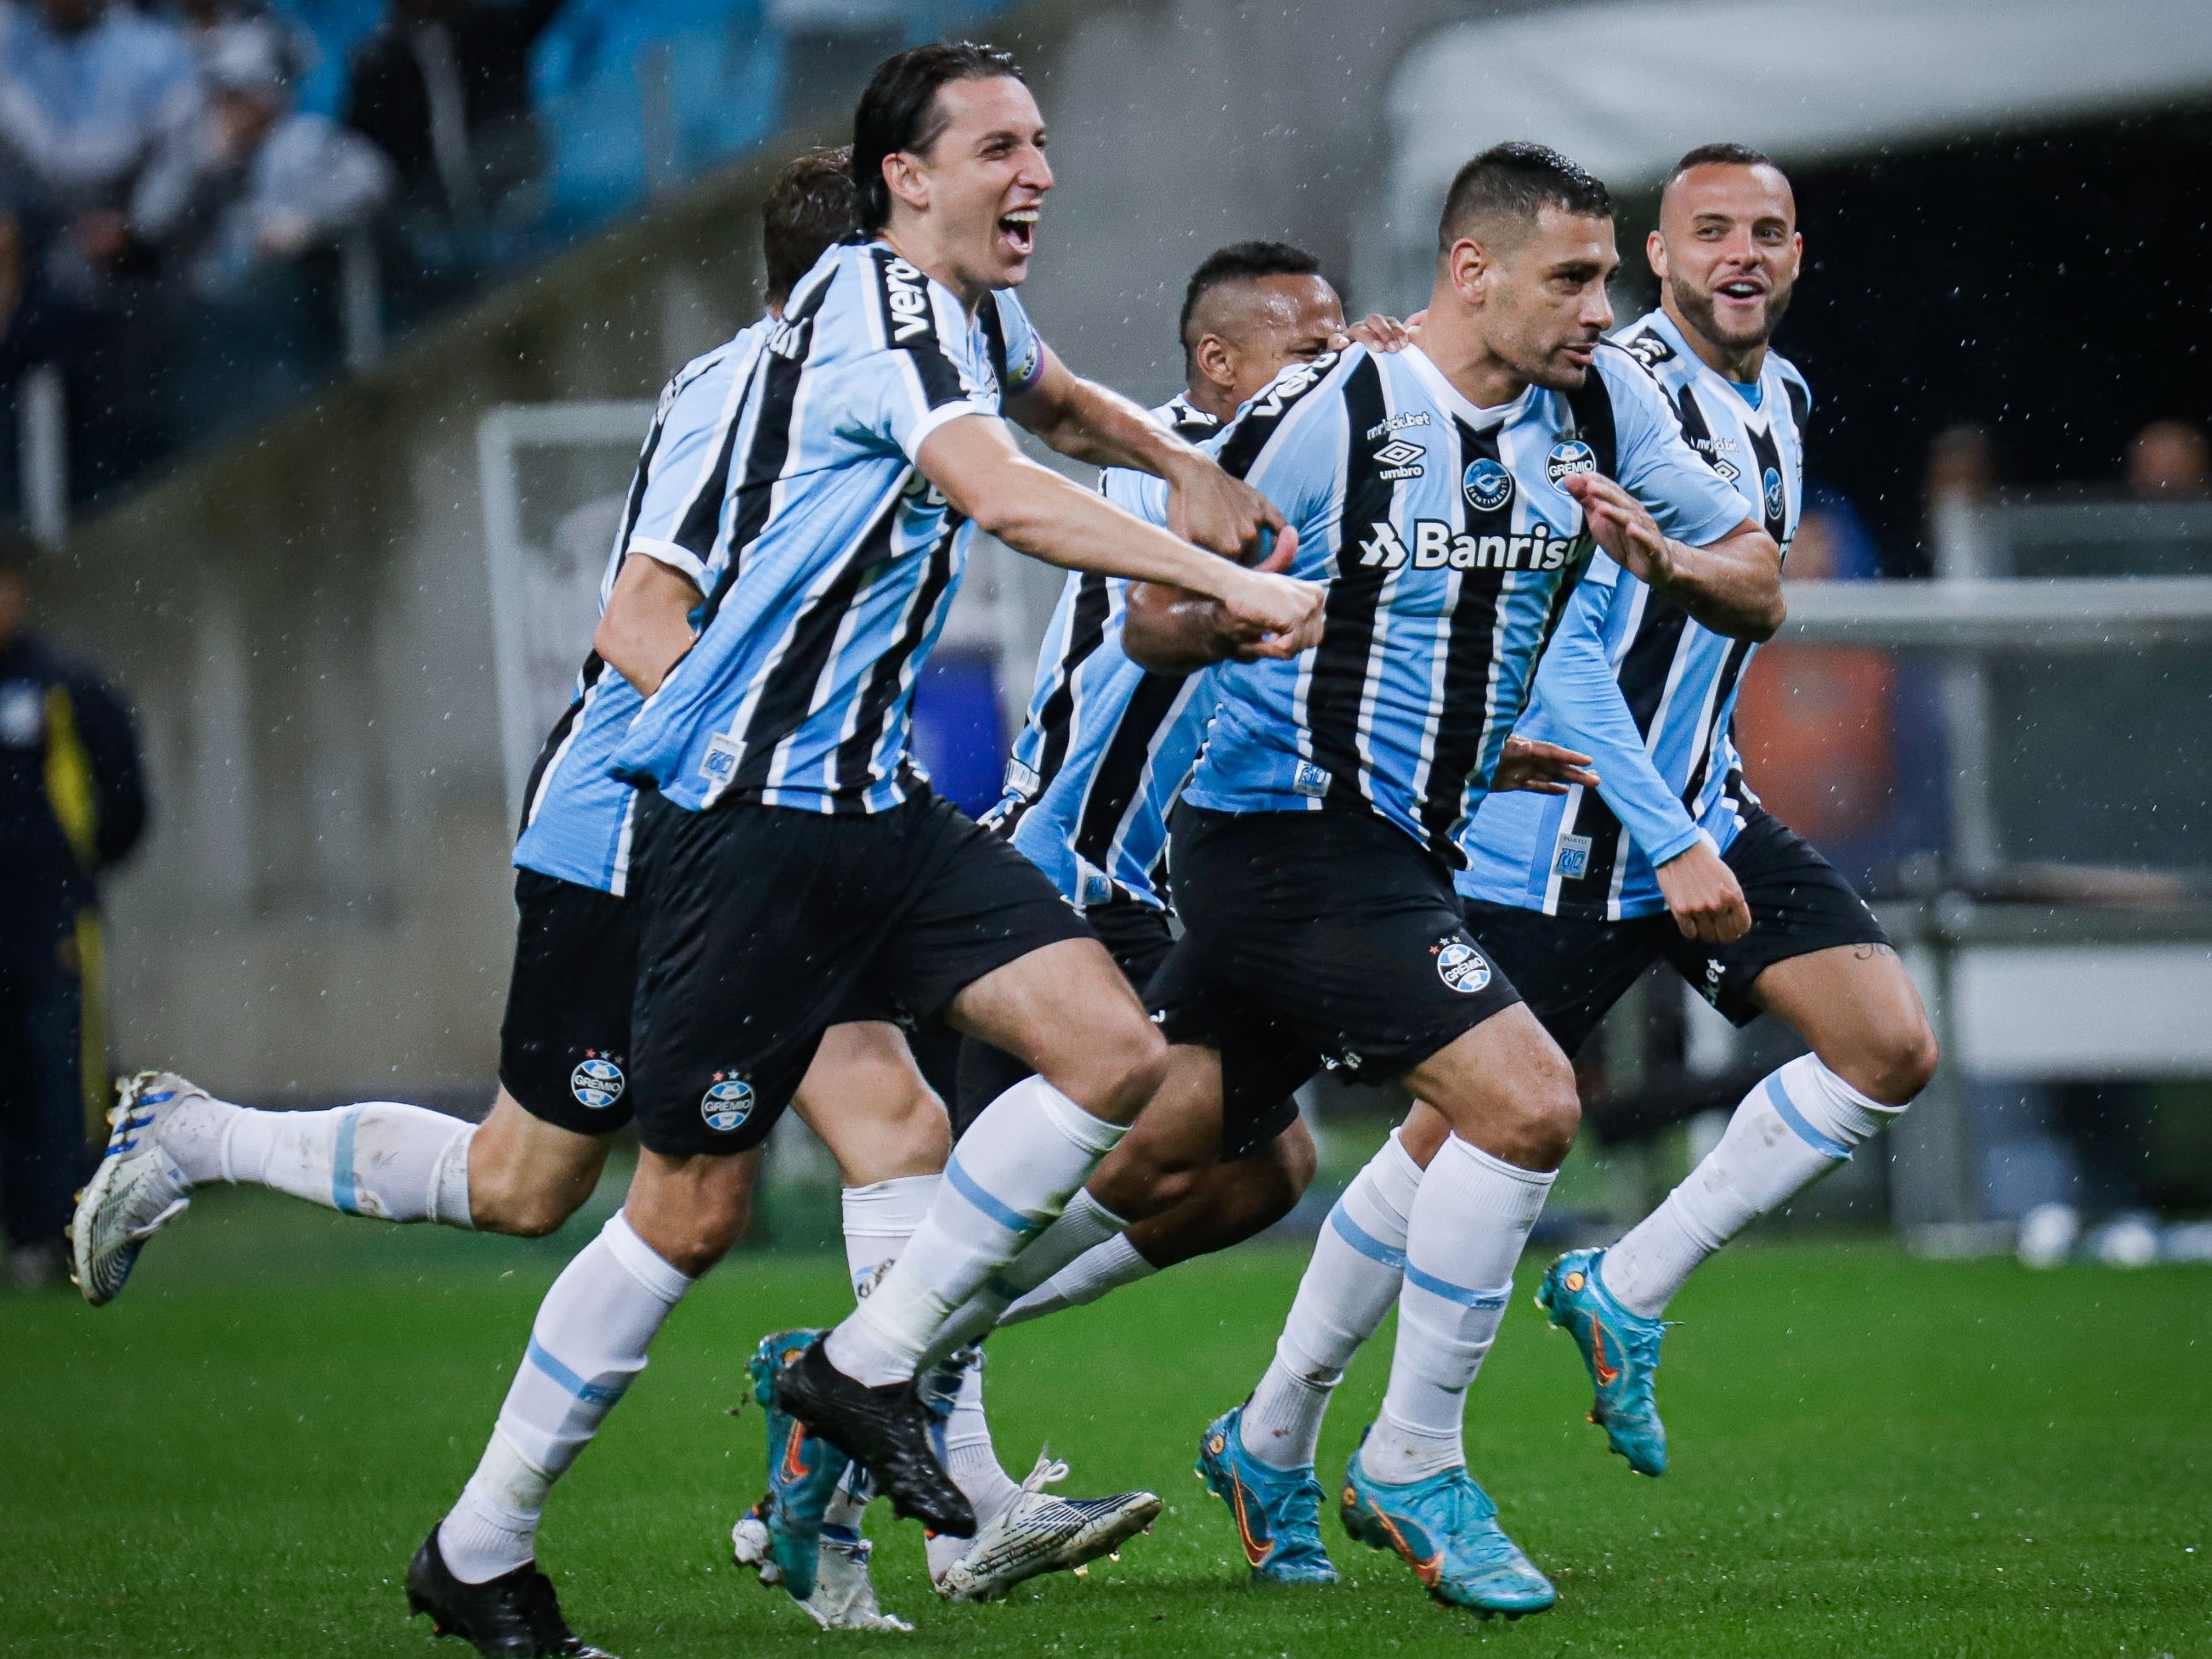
1082, 1571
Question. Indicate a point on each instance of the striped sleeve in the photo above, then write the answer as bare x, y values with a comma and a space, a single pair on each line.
910, 381
1021, 350
1691, 502
686, 477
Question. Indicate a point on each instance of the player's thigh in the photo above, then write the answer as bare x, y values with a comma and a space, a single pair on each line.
866, 1100
527, 1176
1065, 1012
1506, 1087
1860, 1012
690, 1209
1569, 970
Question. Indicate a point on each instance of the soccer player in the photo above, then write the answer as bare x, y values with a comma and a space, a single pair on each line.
1672, 859
1449, 496
788, 852
565, 1041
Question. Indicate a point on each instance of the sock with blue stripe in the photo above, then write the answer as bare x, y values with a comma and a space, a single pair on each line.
1101, 1269
1010, 1177
1470, 1220
1798, 1124
1084, 1224
379, 1158
586, 1348
1358, 1263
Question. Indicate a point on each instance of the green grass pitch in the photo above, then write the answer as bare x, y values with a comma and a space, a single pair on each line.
1873, 1456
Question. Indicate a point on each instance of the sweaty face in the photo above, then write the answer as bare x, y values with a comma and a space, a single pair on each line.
1728, 251
986, 178
1546, 307
1262, 324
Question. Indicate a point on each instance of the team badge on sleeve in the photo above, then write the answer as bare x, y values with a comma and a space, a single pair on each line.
1461, 966
727, 1104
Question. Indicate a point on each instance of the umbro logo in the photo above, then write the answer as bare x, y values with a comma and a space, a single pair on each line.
1400, 459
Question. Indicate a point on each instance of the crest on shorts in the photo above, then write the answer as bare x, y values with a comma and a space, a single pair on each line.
1461, 966
597, 1081
728, 1102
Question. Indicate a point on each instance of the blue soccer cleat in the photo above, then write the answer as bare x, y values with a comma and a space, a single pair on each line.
1621, 1350
1277, 1512
803, 1468
1446, 1529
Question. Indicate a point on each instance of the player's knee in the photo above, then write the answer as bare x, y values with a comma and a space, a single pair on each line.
1901, 1064
697, 1243
1547, 1114
1118, 1068
521, 1215
1297, 1159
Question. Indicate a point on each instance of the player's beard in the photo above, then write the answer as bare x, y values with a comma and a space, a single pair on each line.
1697, 305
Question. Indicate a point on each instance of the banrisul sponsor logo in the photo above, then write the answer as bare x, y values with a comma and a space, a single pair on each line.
728, 1102
908, 293
1433, 544
1488, 485
1569, 456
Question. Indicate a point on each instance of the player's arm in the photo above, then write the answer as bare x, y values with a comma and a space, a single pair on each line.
1171, 631
1578, 683
1733, 585
1090, 423
974, 465
647, 627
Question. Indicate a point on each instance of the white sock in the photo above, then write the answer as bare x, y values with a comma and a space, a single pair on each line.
1797, 1125
1013, 1171
587, 1346
1470, 1220
970, 1458
1358, 1264
1101, 1269
1084, 1224
879, 1218
378, 1157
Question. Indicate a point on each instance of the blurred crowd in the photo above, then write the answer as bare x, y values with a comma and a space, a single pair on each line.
174, 230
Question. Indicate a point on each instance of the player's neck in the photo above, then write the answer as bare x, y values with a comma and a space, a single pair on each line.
1743, 367
912, 243
1207, 398
1452, 339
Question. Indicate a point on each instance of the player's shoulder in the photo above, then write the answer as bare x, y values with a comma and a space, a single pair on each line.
1650, 345
1308, 385
1794, 386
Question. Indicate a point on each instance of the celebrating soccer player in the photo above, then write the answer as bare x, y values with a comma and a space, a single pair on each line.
1448, 496
1672, 859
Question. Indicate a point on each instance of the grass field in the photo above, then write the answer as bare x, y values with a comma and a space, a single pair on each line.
1873, 1455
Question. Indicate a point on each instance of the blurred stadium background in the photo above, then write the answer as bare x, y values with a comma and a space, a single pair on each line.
329, 512
322, 463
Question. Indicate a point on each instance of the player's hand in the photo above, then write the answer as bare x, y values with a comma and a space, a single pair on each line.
1622, 527
1703, 896
1220, 513
1286, 612
1376, 332
1542, 769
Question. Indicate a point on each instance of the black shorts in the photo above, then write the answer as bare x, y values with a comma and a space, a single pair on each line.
1138, 938
564, 1044
1572, 971
1317, 939
760, 925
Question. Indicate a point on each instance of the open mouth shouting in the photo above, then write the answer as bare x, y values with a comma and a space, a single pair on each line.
1740, 295
1017, 233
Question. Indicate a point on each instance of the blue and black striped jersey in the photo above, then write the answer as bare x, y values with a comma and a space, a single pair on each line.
838, 561
576, 818
1591, 854
1448, 546
1107, 745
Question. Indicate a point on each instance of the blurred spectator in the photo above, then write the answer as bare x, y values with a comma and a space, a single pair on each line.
207, 22
1832, 542
2168, 461
72, 806
89, 91
252, 182
442, 86
1962, 479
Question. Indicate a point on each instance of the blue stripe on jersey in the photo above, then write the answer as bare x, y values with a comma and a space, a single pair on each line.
834, 576
1571, 855
1107, 745
576, 818
1448, 543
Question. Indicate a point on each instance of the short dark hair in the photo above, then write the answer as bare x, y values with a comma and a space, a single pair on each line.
1239, 262
809, 207
1724, 155
898, 112
1517, 181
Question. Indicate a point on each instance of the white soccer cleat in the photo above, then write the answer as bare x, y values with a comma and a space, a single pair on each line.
136, 1189
748, 1545
843, 1598
1040, 1532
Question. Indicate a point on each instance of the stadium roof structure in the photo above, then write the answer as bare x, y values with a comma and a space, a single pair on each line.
1626, 87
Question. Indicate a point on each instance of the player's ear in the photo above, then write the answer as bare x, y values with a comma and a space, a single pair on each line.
1654, 251
1216, 360
906, 179
1469, 264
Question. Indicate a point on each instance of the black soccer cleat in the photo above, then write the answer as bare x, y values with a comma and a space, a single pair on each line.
885, 1429
514, 1616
